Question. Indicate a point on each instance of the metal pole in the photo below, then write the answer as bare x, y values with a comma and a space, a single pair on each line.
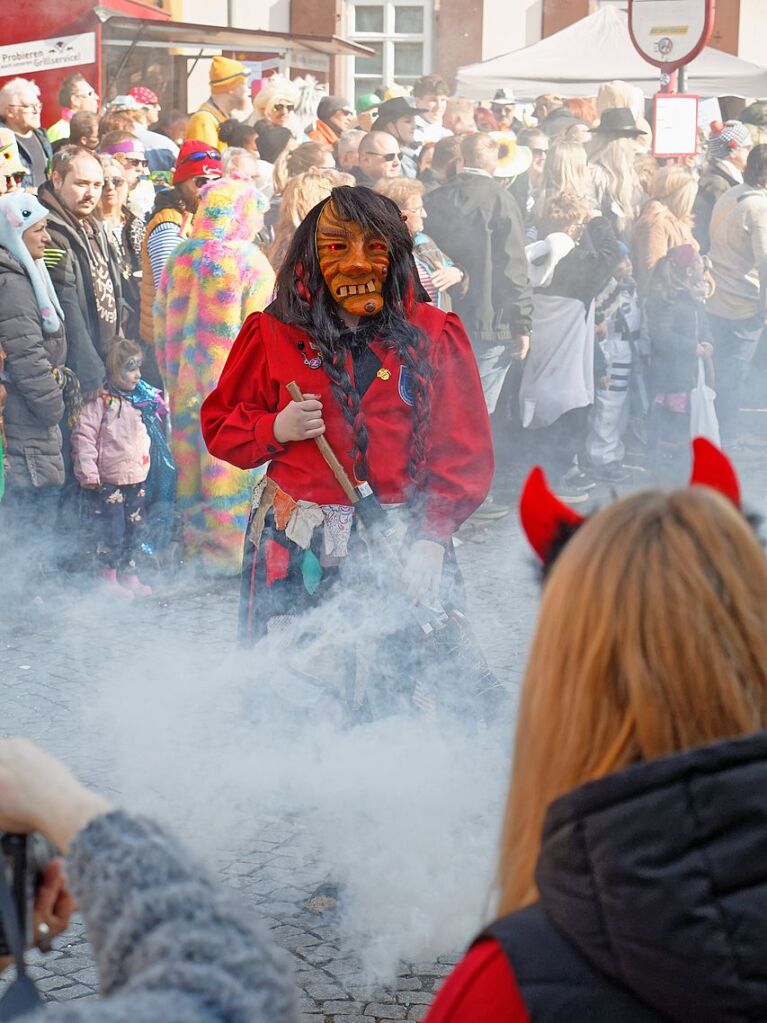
681, 82
128, 52
668, 80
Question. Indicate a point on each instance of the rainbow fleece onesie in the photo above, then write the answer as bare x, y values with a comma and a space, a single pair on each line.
213, 281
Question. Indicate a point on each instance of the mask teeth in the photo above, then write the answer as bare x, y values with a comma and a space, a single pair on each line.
345, 291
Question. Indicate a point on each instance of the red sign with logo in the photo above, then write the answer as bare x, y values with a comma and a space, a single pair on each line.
670, 33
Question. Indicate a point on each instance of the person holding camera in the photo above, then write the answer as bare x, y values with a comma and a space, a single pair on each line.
170, 943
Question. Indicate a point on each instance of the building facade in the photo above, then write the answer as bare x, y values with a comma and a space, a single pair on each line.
404, 39
413, 37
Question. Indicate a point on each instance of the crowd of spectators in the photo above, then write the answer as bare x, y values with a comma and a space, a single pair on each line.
595, 285
593, 281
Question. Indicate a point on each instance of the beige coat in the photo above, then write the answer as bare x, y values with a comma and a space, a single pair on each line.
655, 232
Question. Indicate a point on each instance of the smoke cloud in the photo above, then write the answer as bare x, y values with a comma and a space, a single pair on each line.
230, 747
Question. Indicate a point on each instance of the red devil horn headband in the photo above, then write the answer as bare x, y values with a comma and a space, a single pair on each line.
712, 468
545, 519
548, 522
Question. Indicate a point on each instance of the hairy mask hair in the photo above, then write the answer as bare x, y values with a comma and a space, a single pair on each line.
314, 310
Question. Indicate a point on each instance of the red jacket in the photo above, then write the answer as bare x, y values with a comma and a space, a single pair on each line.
481, 989
237, 420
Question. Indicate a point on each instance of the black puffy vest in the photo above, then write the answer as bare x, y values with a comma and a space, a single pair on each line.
653, 895
556, 983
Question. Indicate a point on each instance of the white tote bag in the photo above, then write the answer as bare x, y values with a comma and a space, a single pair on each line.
703, 421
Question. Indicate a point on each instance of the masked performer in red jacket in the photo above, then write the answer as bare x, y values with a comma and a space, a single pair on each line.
389, 380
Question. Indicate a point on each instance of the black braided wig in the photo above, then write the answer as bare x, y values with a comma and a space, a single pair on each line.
302, 300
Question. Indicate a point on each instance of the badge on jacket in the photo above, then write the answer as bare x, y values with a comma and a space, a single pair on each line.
406, 386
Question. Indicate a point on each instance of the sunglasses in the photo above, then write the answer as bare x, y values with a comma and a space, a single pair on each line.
284, 106
114, 182
202, 154
202, 180
134, 161
18, 177
539, 152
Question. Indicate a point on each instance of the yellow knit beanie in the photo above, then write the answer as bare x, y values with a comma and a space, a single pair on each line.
226, 74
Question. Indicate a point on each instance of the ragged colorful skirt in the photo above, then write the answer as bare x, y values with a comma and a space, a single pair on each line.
311, 564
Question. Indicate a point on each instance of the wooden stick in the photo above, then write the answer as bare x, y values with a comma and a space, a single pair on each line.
327, 452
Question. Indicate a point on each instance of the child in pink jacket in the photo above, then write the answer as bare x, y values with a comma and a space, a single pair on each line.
110, 448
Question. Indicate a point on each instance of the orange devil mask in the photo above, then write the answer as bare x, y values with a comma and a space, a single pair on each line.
353, 262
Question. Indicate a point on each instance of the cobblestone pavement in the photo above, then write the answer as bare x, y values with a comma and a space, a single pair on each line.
49, 658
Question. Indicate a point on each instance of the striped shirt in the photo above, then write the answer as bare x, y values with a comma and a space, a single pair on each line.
161, 244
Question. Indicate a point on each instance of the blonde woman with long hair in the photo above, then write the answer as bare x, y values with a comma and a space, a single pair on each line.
302, 193
666, 221
613, 184
632, 879
298, 159
564, 173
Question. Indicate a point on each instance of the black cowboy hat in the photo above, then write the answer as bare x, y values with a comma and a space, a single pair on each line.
392, 110
618, 121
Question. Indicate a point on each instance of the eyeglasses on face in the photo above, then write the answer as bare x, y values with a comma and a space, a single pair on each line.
114, 182
203, 180
34, 107
388, 157
539, 152
135, 161
18, 176
279, 107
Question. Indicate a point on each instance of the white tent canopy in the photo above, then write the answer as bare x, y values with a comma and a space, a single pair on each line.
597, 49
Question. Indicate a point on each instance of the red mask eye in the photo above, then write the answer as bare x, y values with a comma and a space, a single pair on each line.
378, 246
335, 246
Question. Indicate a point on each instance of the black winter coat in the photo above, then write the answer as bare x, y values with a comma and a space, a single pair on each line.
477, 222
587, 268
70, 270
675, 329
653, 895
34, 403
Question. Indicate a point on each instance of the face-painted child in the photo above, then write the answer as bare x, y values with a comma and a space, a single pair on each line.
129, 374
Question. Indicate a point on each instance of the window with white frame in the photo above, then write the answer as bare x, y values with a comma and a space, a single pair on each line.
399, 31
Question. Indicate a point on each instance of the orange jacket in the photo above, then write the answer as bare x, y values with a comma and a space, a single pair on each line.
323, 132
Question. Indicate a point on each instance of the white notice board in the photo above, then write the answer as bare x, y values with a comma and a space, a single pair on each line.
675, 128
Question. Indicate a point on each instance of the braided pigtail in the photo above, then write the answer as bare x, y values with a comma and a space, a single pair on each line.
416, 359
348, 399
